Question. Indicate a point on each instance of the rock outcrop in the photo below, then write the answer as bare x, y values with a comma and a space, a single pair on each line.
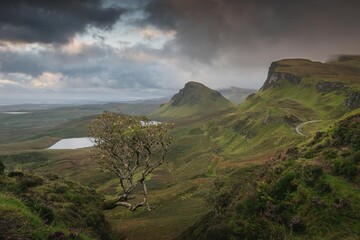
323, 86
353, 100
275, 79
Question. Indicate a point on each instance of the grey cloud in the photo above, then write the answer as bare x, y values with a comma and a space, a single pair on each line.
206, 28
54, 21
94, 66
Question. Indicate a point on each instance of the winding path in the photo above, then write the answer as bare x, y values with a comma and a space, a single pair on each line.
297, 129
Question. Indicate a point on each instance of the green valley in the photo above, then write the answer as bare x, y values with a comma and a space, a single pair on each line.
232, 172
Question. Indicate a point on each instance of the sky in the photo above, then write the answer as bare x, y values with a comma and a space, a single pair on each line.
107, 50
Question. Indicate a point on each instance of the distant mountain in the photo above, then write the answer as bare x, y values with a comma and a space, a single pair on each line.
195, 99
235, 94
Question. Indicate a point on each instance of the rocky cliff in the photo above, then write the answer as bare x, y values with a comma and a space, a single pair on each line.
275, 78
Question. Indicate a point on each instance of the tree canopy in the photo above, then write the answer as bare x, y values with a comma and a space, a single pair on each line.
130, 147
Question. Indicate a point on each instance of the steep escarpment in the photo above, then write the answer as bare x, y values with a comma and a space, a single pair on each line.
332, 85
276, 79
340, 76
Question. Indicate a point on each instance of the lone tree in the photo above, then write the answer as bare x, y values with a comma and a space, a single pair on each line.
130, 147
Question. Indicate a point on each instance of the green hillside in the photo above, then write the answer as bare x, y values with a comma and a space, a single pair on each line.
194, 100
309, 191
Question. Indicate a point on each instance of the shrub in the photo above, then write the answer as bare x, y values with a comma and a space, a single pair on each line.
59, 188
297, 226
356, 157
309, 154
284, 186
52, 176
16, 174
259, 228
96, 221
218, 232
311, 174
348, 132
2, 168
29, 182
219, 195
346, 168
46, 213
322, 186
330, 154
59, 235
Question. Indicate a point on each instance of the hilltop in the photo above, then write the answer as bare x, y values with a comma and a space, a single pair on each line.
195, 99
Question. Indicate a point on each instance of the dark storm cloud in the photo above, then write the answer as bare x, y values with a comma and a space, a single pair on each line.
206, 28
52, 21
218, 42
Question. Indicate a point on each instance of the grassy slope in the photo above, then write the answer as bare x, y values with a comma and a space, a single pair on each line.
14, 213
35, 207
307, 192
194, 99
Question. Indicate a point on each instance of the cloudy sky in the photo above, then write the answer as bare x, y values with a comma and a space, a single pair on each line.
137, 49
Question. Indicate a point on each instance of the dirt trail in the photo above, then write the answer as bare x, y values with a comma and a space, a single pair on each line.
297, 129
